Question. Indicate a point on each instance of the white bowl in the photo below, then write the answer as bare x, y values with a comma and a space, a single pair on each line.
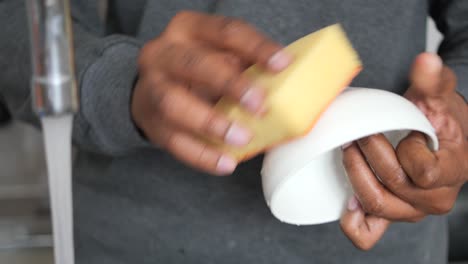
304, 181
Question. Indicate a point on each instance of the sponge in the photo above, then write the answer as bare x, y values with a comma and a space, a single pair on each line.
324, 64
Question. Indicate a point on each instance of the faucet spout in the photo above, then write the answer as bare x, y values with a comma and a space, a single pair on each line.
53, 82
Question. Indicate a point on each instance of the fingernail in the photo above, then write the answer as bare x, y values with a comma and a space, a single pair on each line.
226, 165
347, 145
253, 99
280, 60
353, 204
237, 135
434, 62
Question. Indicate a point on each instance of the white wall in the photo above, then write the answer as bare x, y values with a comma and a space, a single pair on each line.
433, 36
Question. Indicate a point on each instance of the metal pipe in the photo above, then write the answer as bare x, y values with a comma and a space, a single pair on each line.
53, 82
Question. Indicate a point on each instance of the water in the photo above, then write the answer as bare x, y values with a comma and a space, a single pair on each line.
57, 138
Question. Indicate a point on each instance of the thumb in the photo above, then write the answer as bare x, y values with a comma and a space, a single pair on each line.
426, 75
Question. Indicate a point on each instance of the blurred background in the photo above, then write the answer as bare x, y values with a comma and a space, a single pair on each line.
25, 228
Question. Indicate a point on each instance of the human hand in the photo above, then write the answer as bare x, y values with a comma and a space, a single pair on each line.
410, 182
184, 71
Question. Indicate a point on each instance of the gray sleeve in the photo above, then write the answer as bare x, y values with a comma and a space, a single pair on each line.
106, 70
451, 17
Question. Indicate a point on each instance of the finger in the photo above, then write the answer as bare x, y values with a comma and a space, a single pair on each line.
190, 150
425, 74
432, 85
429, 77
213, 69
363, 230
374, 198
199, 88
382, 158
241, 38
180, 108
429, 169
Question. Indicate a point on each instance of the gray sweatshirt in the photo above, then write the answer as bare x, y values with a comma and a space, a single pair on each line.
136, 204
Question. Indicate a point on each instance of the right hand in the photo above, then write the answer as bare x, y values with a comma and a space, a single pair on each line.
195, 61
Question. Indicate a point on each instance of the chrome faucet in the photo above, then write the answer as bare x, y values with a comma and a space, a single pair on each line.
53, 82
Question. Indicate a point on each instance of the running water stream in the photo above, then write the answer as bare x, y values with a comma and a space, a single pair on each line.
57, 138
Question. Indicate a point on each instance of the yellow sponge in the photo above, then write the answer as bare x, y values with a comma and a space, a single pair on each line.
324, 64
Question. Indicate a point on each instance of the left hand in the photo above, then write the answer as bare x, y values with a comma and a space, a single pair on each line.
410, 182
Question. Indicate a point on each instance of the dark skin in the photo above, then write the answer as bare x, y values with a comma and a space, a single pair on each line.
197, 59
414, 181
201, 57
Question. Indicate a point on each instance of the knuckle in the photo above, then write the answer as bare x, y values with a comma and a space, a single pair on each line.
231, 59
226, 73
179, 26
230, 26
150, 53
182, 17
232, 31
374, 205
189, 60
397, 176
159, 53
428, 177
365, 141
256, 48
227, 80
368, 141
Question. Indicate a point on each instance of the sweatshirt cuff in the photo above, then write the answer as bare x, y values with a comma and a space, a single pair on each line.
106, 92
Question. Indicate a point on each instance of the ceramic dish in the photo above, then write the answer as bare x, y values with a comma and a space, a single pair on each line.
304, 181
